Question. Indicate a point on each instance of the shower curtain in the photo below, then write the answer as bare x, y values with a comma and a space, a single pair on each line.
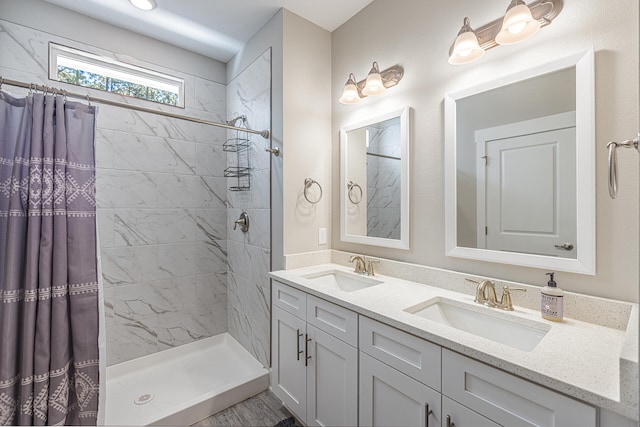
49, 371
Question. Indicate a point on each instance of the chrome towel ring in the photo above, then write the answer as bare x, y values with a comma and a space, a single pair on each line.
613, 162
308, 183
354, 198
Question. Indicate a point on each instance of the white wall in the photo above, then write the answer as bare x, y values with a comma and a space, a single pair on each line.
415, 35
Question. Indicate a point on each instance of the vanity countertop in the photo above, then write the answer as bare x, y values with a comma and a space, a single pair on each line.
593, 363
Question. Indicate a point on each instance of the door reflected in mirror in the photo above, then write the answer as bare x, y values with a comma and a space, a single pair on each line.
374, 202
520, 168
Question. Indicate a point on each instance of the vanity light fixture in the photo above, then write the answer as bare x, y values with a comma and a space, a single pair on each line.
144, 4
377, 82
519, 23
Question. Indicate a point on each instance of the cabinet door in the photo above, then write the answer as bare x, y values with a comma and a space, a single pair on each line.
332, 381
390, 398
456, 415
288, 371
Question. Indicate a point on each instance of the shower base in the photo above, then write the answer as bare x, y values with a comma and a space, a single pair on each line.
183, 385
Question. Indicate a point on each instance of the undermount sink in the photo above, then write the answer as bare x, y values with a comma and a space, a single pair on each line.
347, 282
484, 322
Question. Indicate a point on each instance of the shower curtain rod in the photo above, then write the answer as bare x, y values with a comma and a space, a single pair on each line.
43, 88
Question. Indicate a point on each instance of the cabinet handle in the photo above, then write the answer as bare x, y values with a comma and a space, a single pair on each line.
427, 413
306, 349
299, 352
449, 422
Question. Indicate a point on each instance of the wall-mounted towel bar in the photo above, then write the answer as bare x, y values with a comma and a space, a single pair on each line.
613, 162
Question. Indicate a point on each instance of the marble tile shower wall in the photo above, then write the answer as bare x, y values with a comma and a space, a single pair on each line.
383, 181
249, 253
162, 214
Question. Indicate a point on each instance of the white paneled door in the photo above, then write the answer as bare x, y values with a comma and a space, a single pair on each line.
526, 192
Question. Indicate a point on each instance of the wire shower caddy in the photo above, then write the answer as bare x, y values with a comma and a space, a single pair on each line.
239, 144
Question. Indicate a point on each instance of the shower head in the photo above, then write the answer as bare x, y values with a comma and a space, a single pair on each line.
232, 122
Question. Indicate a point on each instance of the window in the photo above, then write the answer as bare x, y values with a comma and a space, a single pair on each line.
97, 72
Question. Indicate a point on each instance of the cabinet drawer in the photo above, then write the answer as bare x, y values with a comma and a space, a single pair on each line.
507, 399
289, 299
460, 416
334, 320
411, 355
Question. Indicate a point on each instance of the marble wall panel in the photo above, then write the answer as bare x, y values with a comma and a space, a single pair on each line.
249, 254
162, 203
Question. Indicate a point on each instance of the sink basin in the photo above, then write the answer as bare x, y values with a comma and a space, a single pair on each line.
484, 322
347, 282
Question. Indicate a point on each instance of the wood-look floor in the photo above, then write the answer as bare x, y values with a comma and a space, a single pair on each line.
263, 409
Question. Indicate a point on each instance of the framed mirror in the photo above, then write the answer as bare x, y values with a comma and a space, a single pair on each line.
374, 181
520, 168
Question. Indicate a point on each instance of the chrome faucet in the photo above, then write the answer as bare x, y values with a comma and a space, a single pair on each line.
360, 267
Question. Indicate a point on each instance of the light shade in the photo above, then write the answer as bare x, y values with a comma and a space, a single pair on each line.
350, 93
144, 4
466, 48
518, 24
374, 85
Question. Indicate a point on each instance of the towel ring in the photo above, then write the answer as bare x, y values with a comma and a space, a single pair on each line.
351, 185
308, 182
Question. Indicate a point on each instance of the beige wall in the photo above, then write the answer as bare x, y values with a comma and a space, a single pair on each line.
412, 34
306, 131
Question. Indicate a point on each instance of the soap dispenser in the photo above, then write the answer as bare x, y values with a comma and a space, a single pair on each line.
551, 301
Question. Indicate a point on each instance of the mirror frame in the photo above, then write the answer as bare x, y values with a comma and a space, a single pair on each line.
403, 242
585, 263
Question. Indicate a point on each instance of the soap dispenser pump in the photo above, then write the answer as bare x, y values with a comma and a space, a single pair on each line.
551, 301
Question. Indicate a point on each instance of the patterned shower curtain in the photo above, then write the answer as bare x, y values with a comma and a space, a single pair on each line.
48, 271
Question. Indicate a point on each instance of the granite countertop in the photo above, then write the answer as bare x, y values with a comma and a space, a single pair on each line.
591, 362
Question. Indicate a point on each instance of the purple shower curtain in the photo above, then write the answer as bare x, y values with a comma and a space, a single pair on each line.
48, 270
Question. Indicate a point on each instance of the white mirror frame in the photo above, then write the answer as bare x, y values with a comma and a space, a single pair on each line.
585, 263
403, 242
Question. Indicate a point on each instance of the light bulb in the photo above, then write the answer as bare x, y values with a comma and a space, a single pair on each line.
144, 4
517, 28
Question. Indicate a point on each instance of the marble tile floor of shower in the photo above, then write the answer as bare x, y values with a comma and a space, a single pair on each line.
263, 409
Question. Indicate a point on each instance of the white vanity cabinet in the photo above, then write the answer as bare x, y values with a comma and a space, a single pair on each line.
332, 366
399, 378
315, 359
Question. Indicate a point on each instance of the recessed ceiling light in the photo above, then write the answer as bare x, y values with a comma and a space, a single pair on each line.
144, 4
